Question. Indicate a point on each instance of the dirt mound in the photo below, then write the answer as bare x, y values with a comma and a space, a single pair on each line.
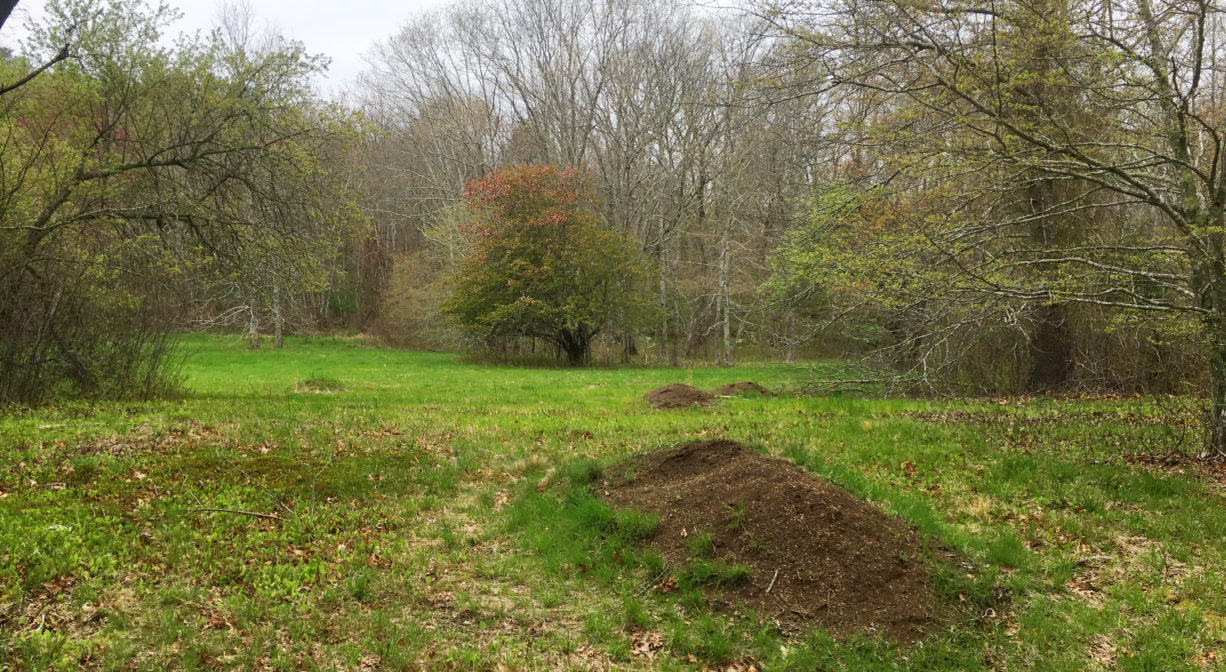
816, 554
742, 388
678, 395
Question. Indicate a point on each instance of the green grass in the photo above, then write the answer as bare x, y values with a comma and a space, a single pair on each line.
433, 513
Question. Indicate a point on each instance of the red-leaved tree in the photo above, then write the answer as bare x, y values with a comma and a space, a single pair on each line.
540, 264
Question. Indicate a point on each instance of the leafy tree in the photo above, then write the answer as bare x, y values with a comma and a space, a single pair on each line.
541, 265
1056, 154
132, 174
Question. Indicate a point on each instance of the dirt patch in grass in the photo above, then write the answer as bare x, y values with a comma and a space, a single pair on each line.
744, 388
678, 395
815, 554
319, 385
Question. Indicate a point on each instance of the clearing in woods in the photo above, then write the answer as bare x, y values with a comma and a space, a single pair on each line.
337, 506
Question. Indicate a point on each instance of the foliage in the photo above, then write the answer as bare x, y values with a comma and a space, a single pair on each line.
1027, 175
134, 176
540, 264
656, 98
875, 265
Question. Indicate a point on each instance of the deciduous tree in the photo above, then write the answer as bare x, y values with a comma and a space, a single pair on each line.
132, 172
541, 264
993, 122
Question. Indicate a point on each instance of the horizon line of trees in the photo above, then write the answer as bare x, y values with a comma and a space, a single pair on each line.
1007, 198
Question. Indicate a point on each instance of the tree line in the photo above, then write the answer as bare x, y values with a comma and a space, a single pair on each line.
975, 198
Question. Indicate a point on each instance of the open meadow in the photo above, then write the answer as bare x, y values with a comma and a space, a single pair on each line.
338, 506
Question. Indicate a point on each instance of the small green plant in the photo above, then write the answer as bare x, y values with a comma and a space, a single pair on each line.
636, 615
714, 573
1008, 550
736, 516
359, 585
635, 526
701, 544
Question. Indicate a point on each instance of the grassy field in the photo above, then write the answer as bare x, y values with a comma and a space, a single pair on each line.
417, 512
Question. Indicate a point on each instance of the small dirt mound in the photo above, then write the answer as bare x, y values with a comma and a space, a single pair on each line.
745, 388
816, 554
319, 385
678, 395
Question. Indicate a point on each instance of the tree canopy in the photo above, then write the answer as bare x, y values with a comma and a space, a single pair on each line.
1026, 166
540, 264
133, 174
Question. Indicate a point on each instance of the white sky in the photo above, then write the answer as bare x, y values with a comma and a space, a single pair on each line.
343, 30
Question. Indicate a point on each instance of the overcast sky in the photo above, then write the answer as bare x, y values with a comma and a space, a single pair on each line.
340, 29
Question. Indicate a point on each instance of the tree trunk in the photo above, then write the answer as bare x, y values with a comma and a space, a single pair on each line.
577, 346
253, 330
1211, 281
629, 347
1051, 348
277, 321
663, 297
725, 299
1216, 447
674, 354
789, 334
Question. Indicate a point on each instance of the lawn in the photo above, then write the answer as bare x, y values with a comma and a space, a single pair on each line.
338, 506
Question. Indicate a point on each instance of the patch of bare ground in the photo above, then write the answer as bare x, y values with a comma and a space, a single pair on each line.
743, 388
817, 555
678, 395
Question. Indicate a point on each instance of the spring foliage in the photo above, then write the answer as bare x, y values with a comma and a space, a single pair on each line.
539, 263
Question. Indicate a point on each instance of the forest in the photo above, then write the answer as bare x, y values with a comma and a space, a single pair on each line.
277, 367
1015, 200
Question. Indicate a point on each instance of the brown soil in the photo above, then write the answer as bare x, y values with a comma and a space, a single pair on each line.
738, 389
678, 395
826, 557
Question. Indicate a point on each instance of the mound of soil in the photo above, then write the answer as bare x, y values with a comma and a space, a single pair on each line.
742, 388
817, 555
678, 395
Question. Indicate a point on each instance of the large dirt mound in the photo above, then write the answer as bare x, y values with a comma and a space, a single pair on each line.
817, 555
678, 395
738, 389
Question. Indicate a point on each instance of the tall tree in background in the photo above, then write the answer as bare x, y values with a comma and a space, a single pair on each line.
541, 265
967, 126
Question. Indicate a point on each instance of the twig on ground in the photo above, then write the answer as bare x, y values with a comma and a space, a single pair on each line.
768, 588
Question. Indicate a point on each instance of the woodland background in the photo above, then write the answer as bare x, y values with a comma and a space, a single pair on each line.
1000, 199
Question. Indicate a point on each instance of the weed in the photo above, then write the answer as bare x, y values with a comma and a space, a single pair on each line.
714, 573
701, 544
736, 516
319, 384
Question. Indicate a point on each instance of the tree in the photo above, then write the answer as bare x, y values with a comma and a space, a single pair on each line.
300, 192
654, 98
987, 104
131, 173
540, 264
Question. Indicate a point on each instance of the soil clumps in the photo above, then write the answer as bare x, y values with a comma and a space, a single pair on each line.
816, 554
742, 388
678, 395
